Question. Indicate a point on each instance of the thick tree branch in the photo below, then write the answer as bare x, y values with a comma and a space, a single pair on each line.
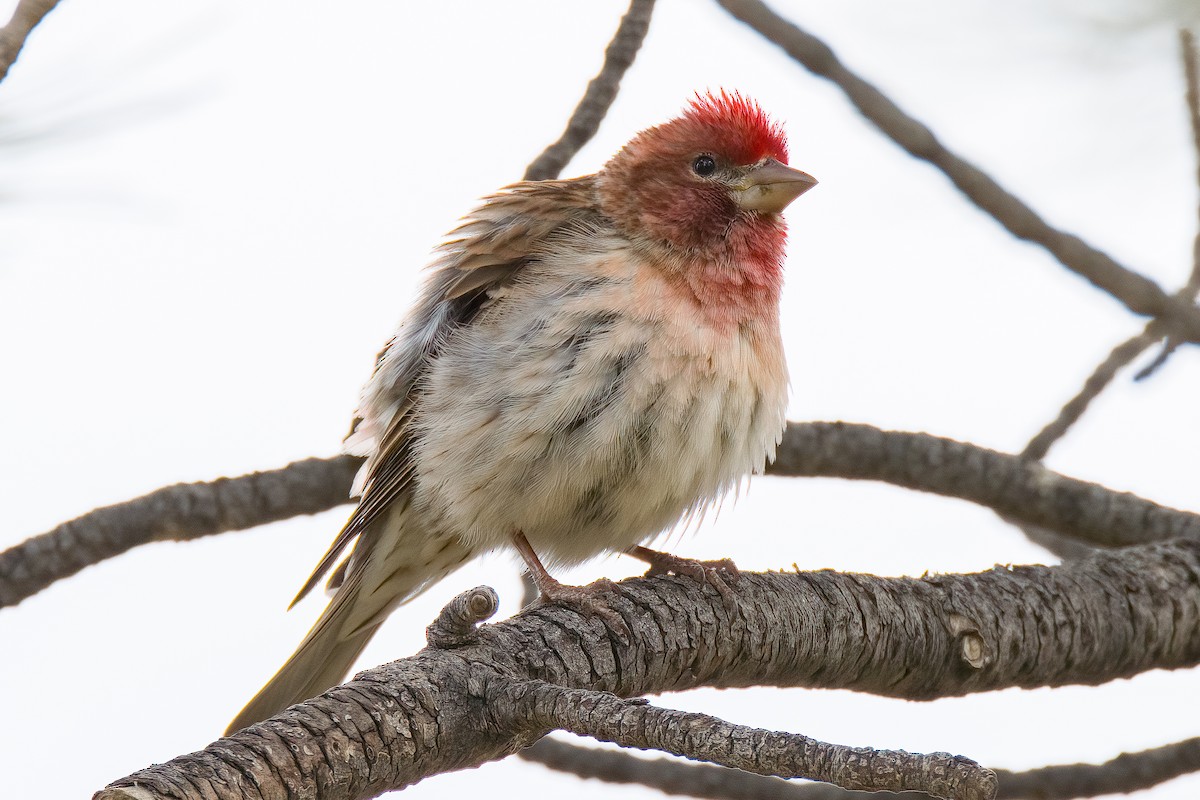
1129, 772
599, 96
1112, 615
637, 724
25, 18
1137, 292
1019, 489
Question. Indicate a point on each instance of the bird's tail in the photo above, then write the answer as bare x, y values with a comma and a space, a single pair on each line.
391, 569
321, 661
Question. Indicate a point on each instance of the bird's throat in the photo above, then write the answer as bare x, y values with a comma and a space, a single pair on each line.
727, 297
739, 282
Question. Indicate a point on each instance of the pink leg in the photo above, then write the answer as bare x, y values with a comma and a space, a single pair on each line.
584, 599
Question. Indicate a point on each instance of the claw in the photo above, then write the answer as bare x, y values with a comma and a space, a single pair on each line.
587, 600
717, 574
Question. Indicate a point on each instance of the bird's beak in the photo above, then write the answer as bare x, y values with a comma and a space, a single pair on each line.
770, 186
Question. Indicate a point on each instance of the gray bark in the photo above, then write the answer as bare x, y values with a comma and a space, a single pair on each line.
1109, 616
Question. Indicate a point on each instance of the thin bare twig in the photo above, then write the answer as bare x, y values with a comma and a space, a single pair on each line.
600, 94
1126, 352
1118, 359
25, 18
1129, 772
1137, 292
1191, 73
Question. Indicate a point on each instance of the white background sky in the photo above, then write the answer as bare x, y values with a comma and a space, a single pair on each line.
222, 211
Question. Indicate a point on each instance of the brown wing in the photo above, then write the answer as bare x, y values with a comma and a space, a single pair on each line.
494, 242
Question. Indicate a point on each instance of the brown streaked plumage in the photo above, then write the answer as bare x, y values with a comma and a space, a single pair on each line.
590, 361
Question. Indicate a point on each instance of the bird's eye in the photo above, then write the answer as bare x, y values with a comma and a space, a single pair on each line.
704, 166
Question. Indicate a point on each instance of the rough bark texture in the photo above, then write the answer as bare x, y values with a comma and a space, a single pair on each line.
1109, 616
631, 723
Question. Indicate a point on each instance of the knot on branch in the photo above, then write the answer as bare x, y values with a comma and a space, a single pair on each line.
973, 648
456, 625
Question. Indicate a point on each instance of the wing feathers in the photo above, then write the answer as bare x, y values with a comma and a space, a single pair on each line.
507, 232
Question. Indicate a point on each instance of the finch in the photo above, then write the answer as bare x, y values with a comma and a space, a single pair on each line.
589, 362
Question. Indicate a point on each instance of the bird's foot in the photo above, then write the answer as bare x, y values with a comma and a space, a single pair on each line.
587, 600
718, 574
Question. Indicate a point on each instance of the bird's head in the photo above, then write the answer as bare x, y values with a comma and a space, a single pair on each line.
710, 182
